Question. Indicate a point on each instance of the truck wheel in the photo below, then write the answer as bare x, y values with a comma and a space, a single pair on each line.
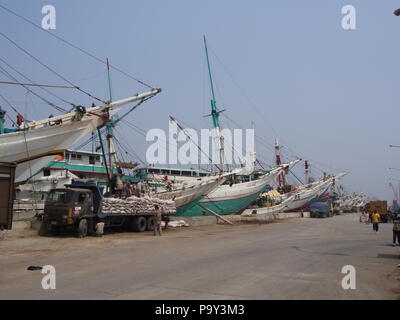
56, 230
139, 224
43, 228
99, 229
83, 228
150, 224
91, 227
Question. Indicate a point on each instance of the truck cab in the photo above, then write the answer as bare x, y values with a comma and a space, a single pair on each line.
74, 206
78, 206
63, 206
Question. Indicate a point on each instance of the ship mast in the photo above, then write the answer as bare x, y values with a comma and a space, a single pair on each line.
307, 171
215, 113
278, 161
109, 129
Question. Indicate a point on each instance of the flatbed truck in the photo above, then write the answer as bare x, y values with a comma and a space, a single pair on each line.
79, 207
380, 206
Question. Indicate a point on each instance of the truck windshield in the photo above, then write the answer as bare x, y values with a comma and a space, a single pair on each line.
58, 196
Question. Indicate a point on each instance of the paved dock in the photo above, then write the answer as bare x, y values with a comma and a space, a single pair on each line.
288, 259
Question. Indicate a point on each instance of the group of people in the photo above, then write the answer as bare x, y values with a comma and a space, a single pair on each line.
375, 219
128, 189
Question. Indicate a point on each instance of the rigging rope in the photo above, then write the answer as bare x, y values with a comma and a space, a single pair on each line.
85, 143
290, 171
48, 68
252, 104
39, 85
12, 107
35, 84
198, 147
264, 143
37, 95
75, 47
232, 145
128, 146
126, 149
243, 92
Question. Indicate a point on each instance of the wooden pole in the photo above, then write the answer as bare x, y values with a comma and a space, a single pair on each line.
215, 214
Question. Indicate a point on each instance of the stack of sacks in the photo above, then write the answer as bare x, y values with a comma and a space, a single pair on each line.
137, 205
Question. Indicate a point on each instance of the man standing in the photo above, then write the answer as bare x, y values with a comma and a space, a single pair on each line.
157, 220
396, 229
375, 218
364, 217
139, 188
128, 190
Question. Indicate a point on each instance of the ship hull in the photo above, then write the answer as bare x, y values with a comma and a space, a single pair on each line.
20, 146
38, 139
306, 198
226, 200
186, 199
221, 207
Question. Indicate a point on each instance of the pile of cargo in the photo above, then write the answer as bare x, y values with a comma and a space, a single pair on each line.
137, 205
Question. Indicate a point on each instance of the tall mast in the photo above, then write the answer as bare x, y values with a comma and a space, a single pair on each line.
109, 80
307, 171
109, 128
215, 112
278, 161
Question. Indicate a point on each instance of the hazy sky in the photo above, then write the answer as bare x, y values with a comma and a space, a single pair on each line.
330, 95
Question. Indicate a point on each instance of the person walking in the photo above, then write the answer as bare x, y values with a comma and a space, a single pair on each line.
396, 229
157, 220
366, 218
375, 218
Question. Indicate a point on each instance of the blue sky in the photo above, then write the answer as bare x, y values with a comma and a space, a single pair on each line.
329, 95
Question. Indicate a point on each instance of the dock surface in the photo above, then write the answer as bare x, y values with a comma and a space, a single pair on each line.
289, 259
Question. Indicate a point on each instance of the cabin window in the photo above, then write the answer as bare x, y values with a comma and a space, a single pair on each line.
79, 157
46, 173
203, 174
92, 160
154, 170
175, 172
73, 156
97, 158
58, 196
165, 171
186, 173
